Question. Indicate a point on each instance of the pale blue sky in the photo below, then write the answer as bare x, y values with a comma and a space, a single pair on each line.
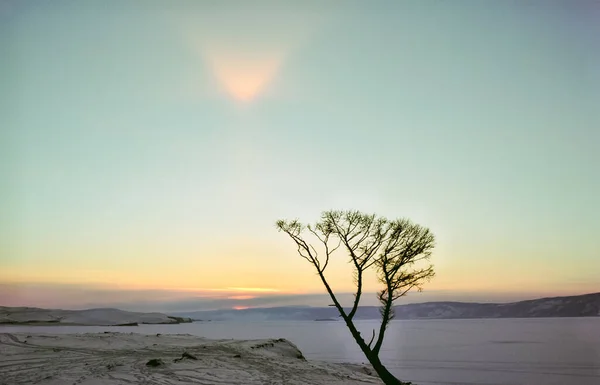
121, 146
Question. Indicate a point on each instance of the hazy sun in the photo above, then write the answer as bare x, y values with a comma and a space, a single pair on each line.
245, 47
243, 76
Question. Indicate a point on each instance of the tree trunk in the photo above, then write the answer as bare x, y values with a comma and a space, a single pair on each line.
373, 357
387, 377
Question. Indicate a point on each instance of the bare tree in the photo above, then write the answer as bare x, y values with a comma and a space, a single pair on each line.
397, 250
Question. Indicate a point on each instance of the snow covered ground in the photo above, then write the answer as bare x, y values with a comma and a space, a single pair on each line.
122, 358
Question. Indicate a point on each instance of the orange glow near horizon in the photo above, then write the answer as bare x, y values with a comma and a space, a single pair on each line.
240, 307
254, 289
241, 297
230, 289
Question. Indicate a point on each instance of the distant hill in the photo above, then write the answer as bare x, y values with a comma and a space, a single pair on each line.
102, 317
587, 305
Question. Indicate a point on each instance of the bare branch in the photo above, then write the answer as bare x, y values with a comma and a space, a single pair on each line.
372, 338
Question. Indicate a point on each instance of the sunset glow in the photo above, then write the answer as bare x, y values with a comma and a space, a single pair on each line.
230, 289
241, 297
254, 289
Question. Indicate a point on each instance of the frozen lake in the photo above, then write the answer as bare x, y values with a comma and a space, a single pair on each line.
538, 351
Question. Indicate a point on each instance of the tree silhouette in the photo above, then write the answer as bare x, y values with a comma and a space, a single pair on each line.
398, 250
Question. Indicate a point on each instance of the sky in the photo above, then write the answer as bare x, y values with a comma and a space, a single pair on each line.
147, 148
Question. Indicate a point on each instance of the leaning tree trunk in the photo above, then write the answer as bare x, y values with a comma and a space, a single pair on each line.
385, 375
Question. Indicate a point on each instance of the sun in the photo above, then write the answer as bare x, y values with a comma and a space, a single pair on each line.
244, 48
243, 76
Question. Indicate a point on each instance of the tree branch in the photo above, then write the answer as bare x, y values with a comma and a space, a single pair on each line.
372, 338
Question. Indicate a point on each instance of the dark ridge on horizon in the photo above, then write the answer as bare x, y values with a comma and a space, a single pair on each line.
585, 305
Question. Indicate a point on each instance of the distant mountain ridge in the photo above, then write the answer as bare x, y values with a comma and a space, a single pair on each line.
101, 317
586, 305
